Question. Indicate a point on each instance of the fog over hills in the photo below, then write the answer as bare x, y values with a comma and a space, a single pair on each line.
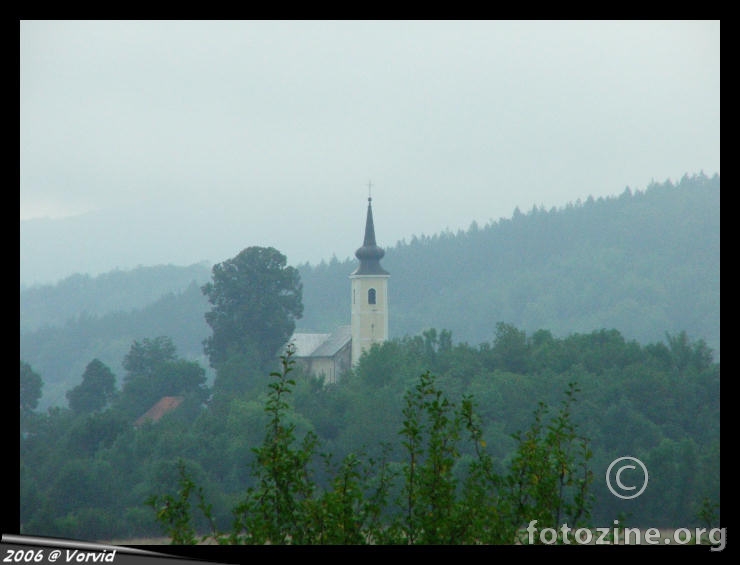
178, 142
159, 233
187, 141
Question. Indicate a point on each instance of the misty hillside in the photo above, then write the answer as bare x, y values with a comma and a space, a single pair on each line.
645, 263
116, 291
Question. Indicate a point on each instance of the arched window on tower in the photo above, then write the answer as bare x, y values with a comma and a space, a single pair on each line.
371, 296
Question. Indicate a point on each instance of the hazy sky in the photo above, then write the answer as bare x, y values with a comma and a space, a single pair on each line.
278, 126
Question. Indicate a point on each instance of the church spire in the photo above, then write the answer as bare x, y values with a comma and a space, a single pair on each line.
369, 293
369, 254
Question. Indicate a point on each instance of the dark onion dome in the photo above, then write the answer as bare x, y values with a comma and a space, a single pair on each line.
370, 254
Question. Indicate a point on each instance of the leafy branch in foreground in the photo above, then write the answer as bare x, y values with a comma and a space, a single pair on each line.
175, 512
550, 477
444, 497
272, 512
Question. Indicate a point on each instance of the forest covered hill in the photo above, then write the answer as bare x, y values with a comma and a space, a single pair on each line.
116, 291
645, 262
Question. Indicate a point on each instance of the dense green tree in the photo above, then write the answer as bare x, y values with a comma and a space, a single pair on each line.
154, 371
96, 391
30, 388
685, 354
146, 355
238, 375
30, 392
91, 432
255, 300
510, 350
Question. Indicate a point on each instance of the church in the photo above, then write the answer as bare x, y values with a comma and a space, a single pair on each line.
331, 354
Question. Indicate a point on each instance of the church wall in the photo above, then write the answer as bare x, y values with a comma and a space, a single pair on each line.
332, 368
369, 321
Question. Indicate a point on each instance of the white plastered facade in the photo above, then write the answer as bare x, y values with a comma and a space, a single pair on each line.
369, 320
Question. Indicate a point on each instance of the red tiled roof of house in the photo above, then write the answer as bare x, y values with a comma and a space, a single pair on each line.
163, 406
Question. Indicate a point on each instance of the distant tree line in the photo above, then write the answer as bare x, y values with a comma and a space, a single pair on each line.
645, 262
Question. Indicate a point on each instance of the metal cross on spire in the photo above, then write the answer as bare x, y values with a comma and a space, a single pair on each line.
369, 190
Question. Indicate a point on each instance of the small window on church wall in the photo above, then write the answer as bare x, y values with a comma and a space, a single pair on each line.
371, 296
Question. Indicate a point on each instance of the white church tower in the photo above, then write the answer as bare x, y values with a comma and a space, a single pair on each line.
369, 293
